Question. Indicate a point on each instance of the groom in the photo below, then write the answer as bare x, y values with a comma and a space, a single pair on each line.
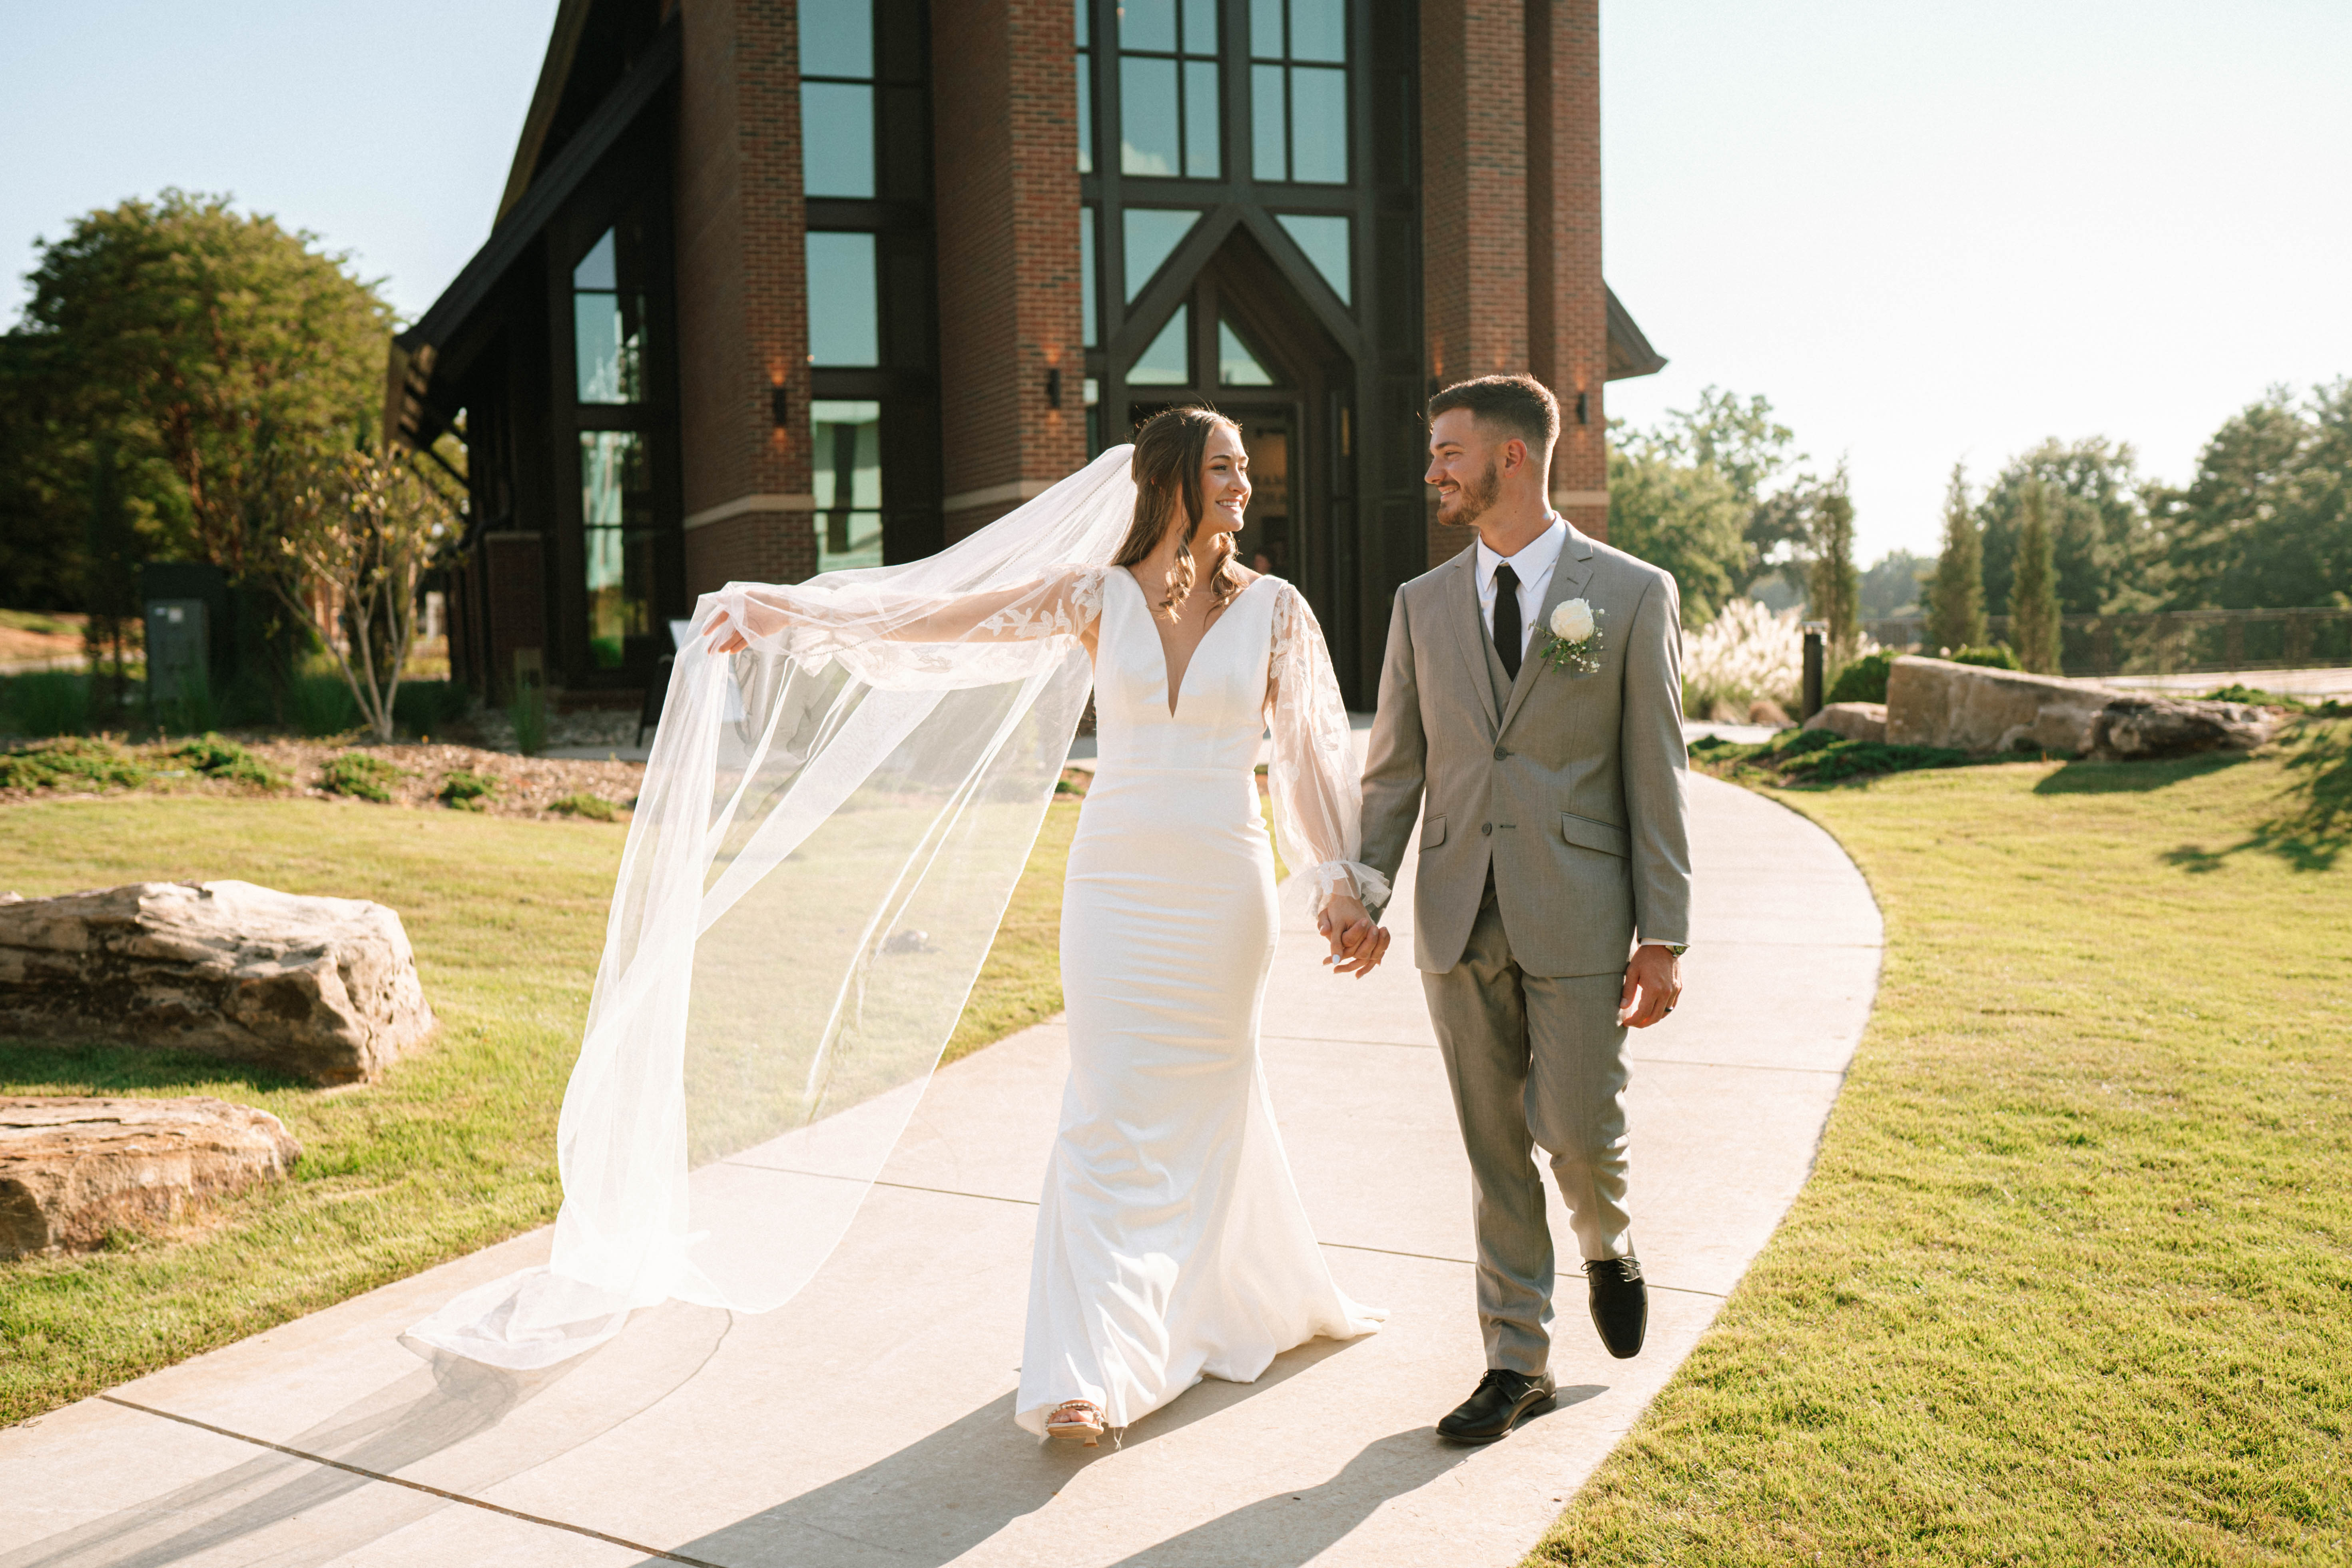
1545, 770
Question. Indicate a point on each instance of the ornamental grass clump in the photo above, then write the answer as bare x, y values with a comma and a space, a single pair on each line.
71, 762
464, 789
227, 762
361, 776
1745, 653
596, 808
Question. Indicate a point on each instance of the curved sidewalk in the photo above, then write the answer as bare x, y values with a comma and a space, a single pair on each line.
869, 1421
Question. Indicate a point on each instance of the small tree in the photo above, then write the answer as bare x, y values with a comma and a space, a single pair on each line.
1836, 585
2033, 591
1955, 610
360, 531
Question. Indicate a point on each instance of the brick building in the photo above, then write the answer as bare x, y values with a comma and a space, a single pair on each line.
776, 288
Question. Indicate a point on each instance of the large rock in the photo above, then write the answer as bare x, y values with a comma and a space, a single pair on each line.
322, 988
73, 1170
2130, 729
1852, 720
1967, 708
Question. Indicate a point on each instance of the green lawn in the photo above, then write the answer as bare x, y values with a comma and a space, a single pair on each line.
454, 1149
2072, 1282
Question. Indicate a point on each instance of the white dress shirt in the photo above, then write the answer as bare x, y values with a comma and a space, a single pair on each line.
1534, 563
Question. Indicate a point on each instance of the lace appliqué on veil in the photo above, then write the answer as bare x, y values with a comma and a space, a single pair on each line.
1313, 779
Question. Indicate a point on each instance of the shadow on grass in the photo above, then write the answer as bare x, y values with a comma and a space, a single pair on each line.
2315, 825
2134, 778
65, 1067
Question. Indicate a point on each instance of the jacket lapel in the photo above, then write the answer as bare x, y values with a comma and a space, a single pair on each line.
1569, 576
1470, 631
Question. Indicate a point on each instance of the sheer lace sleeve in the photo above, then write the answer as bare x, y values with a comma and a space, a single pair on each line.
1313, 776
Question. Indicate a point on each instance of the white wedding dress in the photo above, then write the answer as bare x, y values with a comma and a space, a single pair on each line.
1171, 1240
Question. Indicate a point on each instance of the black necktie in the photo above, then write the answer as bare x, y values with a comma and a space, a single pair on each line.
1507, 618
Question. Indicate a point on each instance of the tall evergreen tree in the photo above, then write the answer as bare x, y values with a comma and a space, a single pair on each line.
2033, 608
1956, 612
1836, 595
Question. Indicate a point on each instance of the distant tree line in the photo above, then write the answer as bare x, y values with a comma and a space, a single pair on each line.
1718, 495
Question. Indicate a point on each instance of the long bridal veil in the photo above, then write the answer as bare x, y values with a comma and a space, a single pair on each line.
830, 826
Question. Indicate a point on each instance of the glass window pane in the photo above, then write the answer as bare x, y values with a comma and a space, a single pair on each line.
837, 139
1318, 126
1146, 25
1201, 159
1236, 366
1327, 242
1090, 326
1085, 20
1147, 112
595, 269
837, 37
1267, 161
845, 446
1200, 27
1151, 233
1169, 360
1266, 29
616, 508
1086, 114
1318, 29
844, 312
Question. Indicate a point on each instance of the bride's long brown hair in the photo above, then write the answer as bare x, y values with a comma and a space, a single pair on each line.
1169, 451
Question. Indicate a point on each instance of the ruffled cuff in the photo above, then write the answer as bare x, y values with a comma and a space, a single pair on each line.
1354, 878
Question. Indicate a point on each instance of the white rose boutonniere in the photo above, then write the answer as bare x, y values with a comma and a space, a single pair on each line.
1575, 629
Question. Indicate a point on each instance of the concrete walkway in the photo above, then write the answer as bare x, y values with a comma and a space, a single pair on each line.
869, 1422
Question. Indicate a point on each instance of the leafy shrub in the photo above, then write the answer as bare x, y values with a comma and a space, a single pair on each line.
463, 789
1864, 759
321, 705
593, 806
225, 760
363, 777
1863, 680
1999, 656
430, 706
72, 762
46, 702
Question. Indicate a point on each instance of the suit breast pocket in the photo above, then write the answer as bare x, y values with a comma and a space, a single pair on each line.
1432, 832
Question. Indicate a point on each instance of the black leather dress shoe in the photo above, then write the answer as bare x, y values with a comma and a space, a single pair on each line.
1621, 1303
1503, 1397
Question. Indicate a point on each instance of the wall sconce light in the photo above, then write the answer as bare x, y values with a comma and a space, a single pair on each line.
1583, 416
780, 405
1054, 389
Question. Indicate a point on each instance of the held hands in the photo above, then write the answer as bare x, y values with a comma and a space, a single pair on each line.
759, 620
1357, 944
1654, 984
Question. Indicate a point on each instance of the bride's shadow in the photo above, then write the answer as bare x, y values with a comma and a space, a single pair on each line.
934, 1500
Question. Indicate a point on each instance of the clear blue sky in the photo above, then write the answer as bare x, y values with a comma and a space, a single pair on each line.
1926, 233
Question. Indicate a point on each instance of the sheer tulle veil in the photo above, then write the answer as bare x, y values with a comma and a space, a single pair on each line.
830, 826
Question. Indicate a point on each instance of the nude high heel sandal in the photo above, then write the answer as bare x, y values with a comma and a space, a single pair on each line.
1076, 1419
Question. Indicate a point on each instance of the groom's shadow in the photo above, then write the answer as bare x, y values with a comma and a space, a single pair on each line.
936, 1499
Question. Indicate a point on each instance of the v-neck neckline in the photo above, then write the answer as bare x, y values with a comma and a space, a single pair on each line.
1175, 683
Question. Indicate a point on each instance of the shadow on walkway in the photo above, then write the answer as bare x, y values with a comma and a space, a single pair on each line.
430, 1411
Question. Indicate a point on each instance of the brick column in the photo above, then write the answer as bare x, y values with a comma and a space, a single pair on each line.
743, 296
1568, 312
1473, 198
1004, 100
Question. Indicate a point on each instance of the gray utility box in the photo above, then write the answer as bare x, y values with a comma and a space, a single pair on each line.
179, 647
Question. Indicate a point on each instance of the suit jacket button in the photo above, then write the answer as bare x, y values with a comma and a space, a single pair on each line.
1486, 827
1501, 755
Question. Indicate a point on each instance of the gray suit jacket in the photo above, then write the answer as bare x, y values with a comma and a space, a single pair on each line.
1569, 785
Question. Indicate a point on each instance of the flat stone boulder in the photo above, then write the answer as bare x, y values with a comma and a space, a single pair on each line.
1968, 707
1852, 720
72, 1170
324, 989
2134, 729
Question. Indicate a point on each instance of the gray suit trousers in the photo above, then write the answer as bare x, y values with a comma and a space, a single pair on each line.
1532, 1061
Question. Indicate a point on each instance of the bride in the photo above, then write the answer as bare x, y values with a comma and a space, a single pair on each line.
1171, 1244
847, 779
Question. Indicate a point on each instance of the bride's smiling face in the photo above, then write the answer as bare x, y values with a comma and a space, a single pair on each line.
1224, 480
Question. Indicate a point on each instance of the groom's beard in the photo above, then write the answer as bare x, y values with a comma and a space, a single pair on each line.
1472, 501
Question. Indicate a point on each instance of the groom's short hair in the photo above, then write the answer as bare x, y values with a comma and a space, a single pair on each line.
1519, 405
